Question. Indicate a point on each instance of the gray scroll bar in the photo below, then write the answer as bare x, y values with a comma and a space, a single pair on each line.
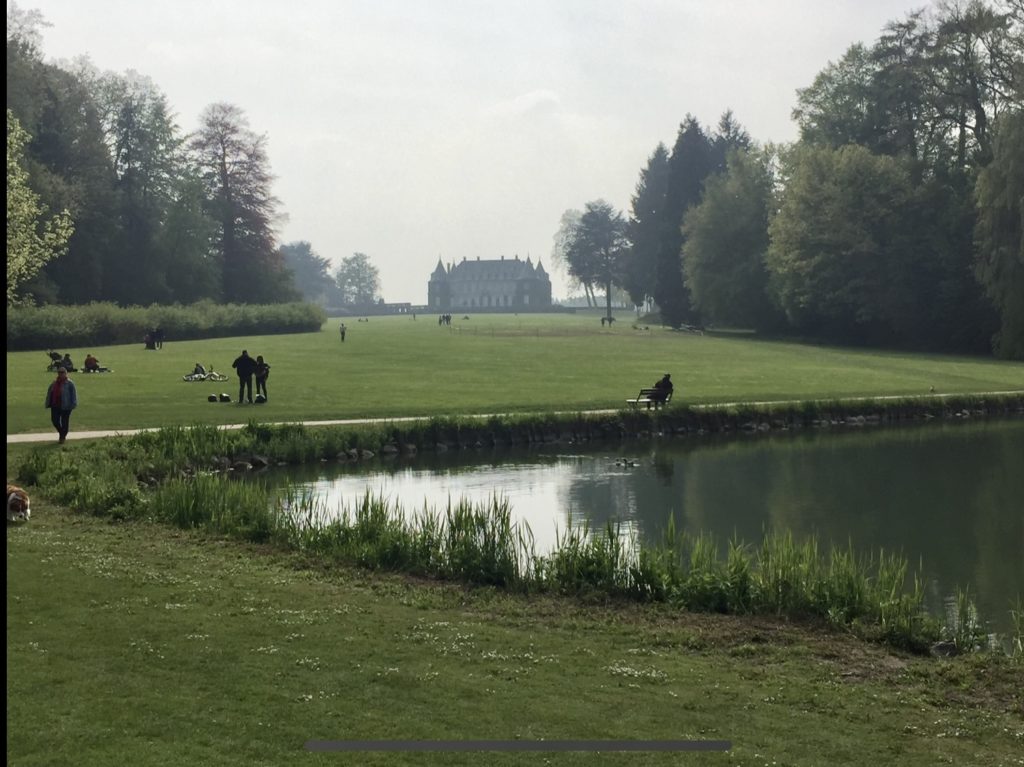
518, 745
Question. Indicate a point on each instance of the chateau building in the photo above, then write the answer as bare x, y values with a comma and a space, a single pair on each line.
505, 284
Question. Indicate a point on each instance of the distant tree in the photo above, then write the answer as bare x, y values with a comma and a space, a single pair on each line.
25, 26
598, 246
929, 88
311, 273
358, 280
567, 226
999, 235
32, 239
691, 162
144, 145
646, 228
236, 172
730, 136
67, 164
726, 239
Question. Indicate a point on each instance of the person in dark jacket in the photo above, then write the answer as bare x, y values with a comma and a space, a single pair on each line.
262, 373
61, 398
245, 366
664, 387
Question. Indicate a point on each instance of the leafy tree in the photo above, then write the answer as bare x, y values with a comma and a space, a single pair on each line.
186, 244
233, 165
597, 247
358, 280
144, 145
691, 162
839, 241
311, 274
928, 88
646, 227
69, 168
32, 240
726, 241
1000, 239
837, 108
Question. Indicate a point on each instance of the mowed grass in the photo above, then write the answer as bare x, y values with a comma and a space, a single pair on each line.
127, 644
396, 367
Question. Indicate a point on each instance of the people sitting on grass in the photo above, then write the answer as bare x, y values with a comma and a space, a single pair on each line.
92, 365
199, 370
68, 365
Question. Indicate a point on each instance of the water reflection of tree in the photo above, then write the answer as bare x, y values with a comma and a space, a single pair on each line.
998, 574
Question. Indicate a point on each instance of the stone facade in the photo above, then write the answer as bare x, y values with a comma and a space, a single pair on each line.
505, 284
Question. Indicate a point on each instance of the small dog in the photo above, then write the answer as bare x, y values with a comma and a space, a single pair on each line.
17, 504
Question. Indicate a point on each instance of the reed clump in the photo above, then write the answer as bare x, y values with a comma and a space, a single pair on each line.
481, 544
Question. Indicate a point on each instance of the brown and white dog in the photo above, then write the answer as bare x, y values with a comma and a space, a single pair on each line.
17, 504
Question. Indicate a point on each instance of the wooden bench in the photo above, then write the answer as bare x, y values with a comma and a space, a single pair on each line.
649, 397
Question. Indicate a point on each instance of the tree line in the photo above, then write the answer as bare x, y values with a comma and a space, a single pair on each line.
895, 219
108, 200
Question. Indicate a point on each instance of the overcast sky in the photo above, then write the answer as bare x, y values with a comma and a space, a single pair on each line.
416, 129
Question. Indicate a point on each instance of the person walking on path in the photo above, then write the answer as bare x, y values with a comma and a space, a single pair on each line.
245, 366
262, 373
61, 398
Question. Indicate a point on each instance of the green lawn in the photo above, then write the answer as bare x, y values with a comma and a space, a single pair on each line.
134, 644
397, 366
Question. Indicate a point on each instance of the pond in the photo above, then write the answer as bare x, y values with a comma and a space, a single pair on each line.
947, 495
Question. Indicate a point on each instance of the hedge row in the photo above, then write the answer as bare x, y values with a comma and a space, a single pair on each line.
105, 324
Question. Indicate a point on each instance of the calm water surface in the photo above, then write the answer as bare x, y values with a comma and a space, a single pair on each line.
947, 495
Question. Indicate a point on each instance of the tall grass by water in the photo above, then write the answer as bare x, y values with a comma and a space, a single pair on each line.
163, 475
480, 544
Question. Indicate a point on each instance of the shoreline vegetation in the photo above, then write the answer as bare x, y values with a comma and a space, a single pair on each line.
181, 476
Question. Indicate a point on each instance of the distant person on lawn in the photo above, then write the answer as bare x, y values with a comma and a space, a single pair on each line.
61, 398
245, 366
262, 373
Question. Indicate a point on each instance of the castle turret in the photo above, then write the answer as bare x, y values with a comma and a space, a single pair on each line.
439, 288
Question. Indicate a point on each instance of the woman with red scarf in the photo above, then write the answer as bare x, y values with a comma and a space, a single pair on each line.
61, 398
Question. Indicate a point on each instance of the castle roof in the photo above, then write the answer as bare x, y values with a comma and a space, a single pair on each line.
490, 269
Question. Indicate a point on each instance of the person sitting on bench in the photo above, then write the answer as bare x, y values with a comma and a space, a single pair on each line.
664, 388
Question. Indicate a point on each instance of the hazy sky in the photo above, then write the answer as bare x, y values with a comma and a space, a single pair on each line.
416, 129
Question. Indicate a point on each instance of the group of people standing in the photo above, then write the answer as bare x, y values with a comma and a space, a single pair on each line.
154, 339
248, 368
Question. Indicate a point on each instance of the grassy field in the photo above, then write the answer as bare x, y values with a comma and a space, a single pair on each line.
139, 644
397, 366
132, 644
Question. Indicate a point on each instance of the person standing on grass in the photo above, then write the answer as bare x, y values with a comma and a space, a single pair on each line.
262, 373
342, 330
61, 398
245, 366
